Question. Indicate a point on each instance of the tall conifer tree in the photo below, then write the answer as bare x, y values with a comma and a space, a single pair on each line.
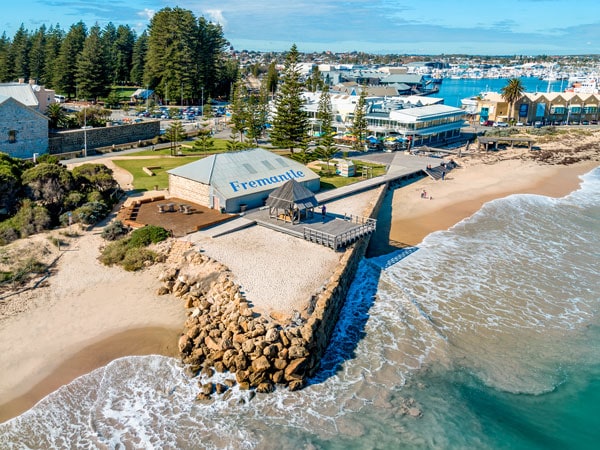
92, 67
72, 45
290, 123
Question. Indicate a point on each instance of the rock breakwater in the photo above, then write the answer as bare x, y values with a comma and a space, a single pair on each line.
223, 333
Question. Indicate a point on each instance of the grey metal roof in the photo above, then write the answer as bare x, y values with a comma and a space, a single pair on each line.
424, 112
292, 194
235, 174
22, 92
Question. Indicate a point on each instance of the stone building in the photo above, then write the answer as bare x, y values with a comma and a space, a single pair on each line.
237, 180
23, 131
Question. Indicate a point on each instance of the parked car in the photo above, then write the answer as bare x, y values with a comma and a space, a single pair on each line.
487, 123
537, 124
501, 124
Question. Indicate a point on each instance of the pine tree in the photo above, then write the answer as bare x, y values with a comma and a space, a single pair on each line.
54, 38
4, 49
238, 105
326, 149
18, 55
257, 113
37, 55
138, 59
272, 78
175, 134
72, 45
210, 56
359, 122
123, 54
290, 123
172, 54
108, 36
92, 67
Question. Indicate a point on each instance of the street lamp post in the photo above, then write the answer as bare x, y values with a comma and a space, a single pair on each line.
85, 132
202, 105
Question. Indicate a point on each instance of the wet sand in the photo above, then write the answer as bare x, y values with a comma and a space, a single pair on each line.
465, 191
144, 341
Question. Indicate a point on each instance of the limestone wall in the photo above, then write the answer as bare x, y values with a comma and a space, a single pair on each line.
74, 140
189, 190
318, 329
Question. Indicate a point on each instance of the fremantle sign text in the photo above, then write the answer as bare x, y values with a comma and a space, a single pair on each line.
245, 185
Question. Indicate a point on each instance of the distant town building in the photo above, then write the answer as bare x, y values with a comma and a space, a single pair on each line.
413, 120
553, 108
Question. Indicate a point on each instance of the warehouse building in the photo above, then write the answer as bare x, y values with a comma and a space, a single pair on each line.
234, 181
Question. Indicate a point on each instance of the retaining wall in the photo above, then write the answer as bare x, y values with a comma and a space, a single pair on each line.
74, 140
318, 329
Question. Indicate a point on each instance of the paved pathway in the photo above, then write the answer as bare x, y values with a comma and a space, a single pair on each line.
400, 166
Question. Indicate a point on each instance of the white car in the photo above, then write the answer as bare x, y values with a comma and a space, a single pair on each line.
500, 124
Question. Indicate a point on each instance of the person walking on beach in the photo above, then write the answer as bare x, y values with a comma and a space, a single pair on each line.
443, 175
323, 212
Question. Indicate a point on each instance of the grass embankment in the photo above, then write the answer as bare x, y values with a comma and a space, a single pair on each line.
144, 182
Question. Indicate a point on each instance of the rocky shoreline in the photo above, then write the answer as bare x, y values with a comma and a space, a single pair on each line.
223, 333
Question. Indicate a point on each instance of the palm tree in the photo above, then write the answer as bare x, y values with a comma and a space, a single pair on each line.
56, 114
511, 93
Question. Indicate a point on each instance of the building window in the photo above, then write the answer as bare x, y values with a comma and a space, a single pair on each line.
12, 136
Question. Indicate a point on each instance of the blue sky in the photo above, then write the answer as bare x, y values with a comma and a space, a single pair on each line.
525, 27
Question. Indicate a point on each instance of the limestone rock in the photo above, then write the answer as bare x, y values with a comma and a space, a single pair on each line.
261, 364
296, 368
265, 387
297, 351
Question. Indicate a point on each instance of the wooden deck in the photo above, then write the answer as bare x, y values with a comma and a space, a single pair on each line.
333, 231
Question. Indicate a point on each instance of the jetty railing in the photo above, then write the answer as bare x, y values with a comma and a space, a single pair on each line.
361, 220
364, 226
320, 237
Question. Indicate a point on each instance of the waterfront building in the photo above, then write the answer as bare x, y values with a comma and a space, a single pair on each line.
234, 181
552, 108
411, 120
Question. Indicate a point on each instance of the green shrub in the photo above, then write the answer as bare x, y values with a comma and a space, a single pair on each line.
114, 231
137, 258
114, 252
73, 200
30, 219
95, 196
90, 213
150, 234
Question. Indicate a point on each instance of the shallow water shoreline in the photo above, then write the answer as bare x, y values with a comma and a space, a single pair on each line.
134, 342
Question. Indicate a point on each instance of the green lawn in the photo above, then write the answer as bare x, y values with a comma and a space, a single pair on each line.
220, 146
144, 182
332, 180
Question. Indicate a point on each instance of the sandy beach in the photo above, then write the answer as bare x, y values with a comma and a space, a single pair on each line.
50, 335
87, 314
466, 189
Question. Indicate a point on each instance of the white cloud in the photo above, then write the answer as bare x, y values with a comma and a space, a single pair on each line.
147, 13
216, 15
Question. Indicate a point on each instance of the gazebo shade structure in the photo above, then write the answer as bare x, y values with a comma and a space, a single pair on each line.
291, 201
